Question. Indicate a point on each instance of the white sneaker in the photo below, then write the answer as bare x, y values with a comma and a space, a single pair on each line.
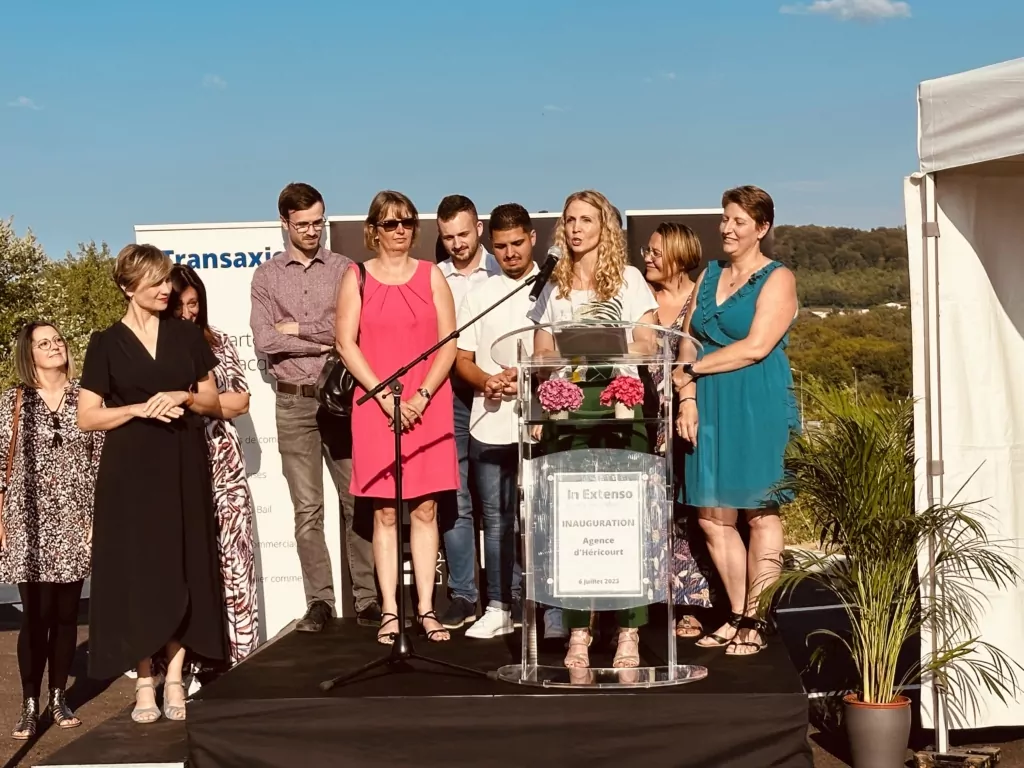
493, 623
553, 627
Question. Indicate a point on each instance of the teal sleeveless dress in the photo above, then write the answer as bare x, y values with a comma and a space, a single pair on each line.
745, 417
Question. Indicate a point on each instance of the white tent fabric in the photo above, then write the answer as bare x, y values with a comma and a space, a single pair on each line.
972, 117
965, 235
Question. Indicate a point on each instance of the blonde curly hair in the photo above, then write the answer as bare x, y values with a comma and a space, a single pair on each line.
609, 272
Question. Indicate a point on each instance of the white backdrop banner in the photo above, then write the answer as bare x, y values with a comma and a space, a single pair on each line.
225, 256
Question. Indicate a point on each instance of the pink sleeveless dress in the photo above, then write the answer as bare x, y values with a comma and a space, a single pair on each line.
397, 323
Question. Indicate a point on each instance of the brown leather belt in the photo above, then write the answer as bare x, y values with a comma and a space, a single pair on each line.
304, 390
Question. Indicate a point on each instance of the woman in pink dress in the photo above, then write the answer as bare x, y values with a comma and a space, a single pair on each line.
402, 309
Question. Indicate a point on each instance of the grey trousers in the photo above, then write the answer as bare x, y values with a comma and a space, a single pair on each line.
306, 438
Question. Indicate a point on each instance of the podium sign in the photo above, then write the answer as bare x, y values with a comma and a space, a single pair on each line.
599, 534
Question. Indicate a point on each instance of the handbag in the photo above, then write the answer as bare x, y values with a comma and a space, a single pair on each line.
336, 385
14, 439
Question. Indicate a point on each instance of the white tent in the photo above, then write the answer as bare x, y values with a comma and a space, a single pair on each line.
965, 231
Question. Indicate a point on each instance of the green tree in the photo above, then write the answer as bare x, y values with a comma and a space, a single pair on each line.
22, 260
79, 294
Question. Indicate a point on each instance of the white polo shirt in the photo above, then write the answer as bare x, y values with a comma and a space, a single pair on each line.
461, 283
492, 421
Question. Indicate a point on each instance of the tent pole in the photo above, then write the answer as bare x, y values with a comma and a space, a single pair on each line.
933, 431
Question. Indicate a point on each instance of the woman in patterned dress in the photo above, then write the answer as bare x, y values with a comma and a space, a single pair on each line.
231, 495
672, 252
46, 523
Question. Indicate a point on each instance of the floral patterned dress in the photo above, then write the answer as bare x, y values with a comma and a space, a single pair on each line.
234, 508
690, 585
48, 508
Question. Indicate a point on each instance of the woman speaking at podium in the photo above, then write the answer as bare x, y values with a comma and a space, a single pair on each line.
593, 281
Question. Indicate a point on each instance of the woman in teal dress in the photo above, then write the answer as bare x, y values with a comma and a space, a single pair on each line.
738, 410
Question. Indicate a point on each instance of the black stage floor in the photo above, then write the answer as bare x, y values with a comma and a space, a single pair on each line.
269, 711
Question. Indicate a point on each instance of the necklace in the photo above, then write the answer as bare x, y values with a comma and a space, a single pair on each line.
58, 439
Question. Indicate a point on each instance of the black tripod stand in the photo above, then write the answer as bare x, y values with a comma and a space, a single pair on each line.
402, 650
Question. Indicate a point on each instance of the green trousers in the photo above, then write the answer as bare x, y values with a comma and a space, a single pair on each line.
628, 435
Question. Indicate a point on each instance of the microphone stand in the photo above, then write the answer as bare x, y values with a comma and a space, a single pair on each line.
402, 650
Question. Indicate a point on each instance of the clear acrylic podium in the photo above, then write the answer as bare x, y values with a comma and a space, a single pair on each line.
596, 510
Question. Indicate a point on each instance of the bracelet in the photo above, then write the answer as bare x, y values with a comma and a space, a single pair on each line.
190, 399
683, 400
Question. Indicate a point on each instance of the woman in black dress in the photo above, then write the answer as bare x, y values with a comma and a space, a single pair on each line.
147, 383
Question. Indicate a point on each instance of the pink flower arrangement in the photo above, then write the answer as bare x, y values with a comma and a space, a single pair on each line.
627, 390
560, 395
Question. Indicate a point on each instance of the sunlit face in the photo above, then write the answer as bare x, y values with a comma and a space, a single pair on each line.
461, 236
582, 227
395, 229
739, 231
305, 227
654, 259
152, 297
188, 305
513, 248
48, 349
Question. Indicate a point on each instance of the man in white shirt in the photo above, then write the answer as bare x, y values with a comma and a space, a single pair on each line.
494, 419
468, 266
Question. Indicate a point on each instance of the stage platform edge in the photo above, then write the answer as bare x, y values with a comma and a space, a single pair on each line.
268, 711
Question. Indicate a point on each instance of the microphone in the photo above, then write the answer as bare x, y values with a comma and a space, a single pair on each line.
554, 254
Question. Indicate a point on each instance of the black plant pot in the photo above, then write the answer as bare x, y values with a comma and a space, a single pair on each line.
879, 733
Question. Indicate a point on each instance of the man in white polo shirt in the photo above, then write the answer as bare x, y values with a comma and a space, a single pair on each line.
468, 265
493, 422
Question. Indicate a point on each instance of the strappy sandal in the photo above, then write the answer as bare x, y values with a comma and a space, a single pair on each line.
63, 716
688, 627
28, 721
579, 659
174, 711
627, 659
735, 619
144, 715
749, 623
387, 638
430, 633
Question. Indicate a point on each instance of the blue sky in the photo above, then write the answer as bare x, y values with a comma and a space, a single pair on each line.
120, 113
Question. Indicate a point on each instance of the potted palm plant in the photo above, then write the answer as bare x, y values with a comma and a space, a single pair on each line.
856, 473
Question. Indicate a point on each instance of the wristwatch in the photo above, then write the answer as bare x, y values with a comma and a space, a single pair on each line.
688, 370
425, 392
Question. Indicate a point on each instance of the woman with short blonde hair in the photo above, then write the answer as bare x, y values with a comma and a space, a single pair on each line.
46, 502
156, 581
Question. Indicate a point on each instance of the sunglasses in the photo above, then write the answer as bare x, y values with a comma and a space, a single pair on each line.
390, 225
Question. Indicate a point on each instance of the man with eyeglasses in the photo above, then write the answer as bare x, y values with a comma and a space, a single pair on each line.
292, 319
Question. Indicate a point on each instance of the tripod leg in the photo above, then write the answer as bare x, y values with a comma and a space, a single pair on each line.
326, 685
448, 665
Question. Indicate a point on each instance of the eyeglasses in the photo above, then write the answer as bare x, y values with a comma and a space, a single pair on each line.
390, 225
47, 344
303, 226
645, 252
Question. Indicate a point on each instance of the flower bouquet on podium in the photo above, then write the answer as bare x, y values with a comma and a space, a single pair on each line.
558, 397
625, 393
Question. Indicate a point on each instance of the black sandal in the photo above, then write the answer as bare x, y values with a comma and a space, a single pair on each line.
387, 638
429, 633
62, 714
735, 620
28, 722
759, 626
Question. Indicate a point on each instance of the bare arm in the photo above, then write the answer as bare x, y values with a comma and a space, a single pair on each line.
346, 330
234, 404
94, 417
444, 305
773, 315
266, 337
644, 339
684, 385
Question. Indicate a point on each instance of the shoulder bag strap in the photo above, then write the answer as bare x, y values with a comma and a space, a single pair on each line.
14, 436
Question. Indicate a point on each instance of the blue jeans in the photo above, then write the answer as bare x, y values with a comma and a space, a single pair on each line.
496, 469
457, 519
